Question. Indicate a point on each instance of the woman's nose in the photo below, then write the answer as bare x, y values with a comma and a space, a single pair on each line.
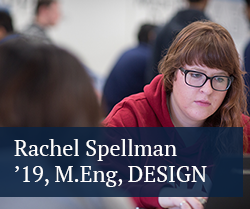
207, 87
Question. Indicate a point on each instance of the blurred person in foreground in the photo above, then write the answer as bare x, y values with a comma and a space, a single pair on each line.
247, 56
166, 35
200, 85
47, 14
127, 75
46, 86
6, 27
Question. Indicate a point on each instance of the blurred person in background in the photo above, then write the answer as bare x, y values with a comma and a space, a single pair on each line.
127, 75
166, 35
46, 86
47, 14
247, 57
6, 26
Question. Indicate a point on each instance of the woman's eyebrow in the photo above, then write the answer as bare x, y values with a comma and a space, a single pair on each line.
218, 72
199, 70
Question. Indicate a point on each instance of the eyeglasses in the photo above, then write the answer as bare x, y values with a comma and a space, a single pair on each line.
198, 79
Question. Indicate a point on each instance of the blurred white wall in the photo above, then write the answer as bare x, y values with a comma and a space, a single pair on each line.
97, 31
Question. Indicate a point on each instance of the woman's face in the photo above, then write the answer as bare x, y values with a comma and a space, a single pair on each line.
191, 106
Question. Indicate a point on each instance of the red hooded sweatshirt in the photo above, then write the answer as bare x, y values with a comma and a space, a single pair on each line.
148, 109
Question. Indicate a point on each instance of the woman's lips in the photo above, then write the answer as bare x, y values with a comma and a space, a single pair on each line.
203, 103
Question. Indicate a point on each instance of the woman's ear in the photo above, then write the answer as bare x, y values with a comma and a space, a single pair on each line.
175, 75
3, 32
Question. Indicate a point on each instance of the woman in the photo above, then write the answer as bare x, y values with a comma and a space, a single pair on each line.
201, 85
46, 86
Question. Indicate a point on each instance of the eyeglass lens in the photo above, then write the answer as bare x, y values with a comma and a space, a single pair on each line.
197, 79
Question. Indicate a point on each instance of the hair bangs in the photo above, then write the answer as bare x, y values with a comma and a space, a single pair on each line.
209, 50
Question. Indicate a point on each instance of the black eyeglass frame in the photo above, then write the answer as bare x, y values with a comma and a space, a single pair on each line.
230, 79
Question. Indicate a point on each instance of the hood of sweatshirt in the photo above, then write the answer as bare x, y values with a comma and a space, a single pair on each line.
157, 99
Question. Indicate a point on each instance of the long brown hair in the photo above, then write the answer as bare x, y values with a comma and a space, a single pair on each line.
209, 44
44, 86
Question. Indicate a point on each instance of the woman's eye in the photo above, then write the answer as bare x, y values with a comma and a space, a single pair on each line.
196, 75
219, 79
